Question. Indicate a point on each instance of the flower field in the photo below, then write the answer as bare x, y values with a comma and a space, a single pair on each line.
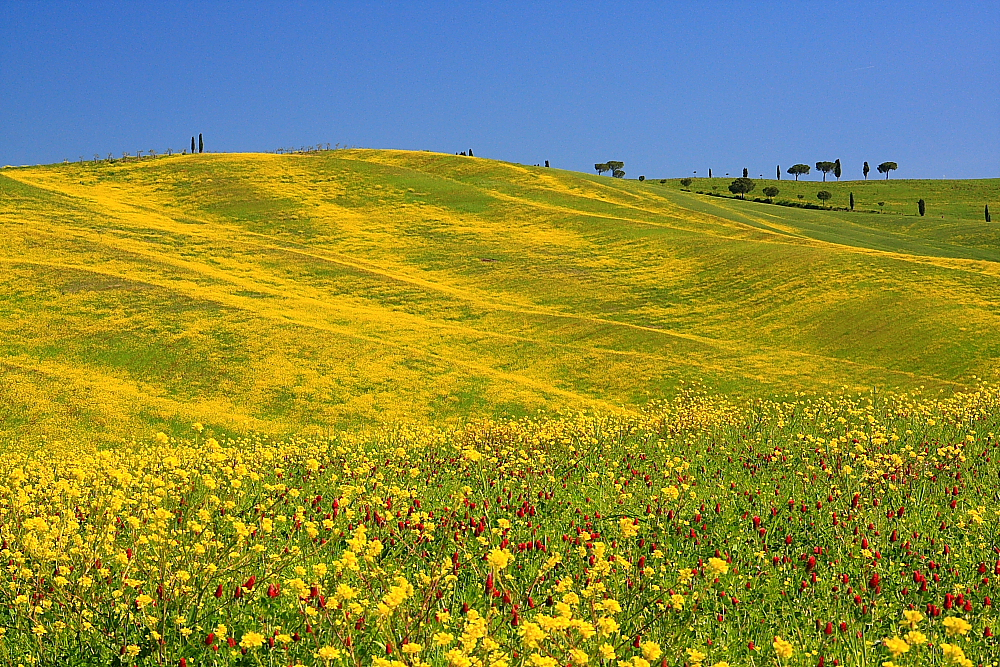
839, 530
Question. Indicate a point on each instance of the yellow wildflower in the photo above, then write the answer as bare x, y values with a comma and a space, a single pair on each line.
956, 626
896, 646
782, 648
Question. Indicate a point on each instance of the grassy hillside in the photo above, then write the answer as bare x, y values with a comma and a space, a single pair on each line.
297, 293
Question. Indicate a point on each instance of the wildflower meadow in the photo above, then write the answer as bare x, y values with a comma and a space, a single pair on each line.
851, 529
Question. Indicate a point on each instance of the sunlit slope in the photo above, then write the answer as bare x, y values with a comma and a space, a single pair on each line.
280, 293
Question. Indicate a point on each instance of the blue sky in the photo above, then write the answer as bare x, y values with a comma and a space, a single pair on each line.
667, 88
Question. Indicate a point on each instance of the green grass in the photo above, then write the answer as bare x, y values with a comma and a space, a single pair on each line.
305, 292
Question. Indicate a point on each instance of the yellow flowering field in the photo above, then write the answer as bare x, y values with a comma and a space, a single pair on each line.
850, 529
285, 294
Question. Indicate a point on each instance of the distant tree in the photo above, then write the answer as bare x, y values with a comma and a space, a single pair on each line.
880, 205
798, 169
746, 173
921, 208
192, 145
837, 171
642, 178
770, 192
852, 201
615, 165
201, 144
662, 181
471, 155
601, 167
741, 186
546, 163
618, 173
710, 173
823, 196
886, 167
987, 213
825, 167
865, 171
686, 182
777, 171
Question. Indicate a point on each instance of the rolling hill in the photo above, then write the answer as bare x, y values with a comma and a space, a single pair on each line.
298, 293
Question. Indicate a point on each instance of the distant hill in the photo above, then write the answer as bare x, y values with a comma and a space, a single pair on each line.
281, 293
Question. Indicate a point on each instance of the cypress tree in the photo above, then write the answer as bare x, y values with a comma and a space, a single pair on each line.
777, 170
921, 208
710, 173
865, 171
201, 144
852, 201
988, 213
746, 173
192, 145
836, 169
470, 153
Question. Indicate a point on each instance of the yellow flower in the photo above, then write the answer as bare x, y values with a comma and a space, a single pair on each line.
412, 648
442, 638
542, 661
328, 653
717, 566
650, 650
607, 652
607, 626
578, 657
721, 663
911, 617
677, 601
456, 658
782, 648
532, 634
896, 646
956, 626
916, 638
252, 640
953, 653
628, 527
695, 655
498, 559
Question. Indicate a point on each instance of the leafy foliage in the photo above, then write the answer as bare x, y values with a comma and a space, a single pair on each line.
798, 169
886, 167
741, 186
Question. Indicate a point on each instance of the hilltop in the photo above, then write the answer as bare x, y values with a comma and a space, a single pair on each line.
296, 293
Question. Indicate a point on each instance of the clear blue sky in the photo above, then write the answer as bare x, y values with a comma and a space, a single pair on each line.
668, 88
